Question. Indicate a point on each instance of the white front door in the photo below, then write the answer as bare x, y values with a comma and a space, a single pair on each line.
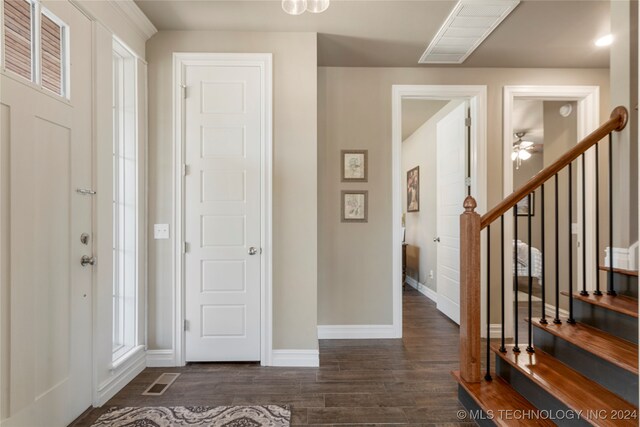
451, 137
46, 157
222, 134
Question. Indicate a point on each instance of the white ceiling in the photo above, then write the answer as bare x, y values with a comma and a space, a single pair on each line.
394, 33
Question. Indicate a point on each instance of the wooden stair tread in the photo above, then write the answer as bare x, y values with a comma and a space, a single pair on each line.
615, 350
497, 395
620, 271
620, 303
568, 386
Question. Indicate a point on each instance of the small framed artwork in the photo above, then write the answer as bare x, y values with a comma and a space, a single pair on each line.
354, 165
413, 190
522, 207
355, 205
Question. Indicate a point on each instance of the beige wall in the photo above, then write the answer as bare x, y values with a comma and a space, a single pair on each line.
624, 84
354, 263
420, 149
294, 177
560, 135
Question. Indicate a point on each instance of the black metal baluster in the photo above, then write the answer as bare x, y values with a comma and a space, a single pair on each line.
597, 251
570, 245
503, 349
556, 319
543, 319
516, 349
530, 245
488, 374
584, 292
610, 290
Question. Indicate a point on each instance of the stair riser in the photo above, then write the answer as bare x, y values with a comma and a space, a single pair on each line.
535, 394
618, 324
618, 380
624, 284
470, 405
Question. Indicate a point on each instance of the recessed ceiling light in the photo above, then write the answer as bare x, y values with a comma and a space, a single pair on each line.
605, 40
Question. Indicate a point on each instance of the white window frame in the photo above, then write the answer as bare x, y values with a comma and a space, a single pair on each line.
128, 298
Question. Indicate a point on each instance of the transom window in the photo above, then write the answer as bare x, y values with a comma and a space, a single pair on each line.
36, 45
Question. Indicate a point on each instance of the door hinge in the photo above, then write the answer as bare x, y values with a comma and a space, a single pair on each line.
185, 247
185, 169
467, 181
467, 121
184, 91
186, 325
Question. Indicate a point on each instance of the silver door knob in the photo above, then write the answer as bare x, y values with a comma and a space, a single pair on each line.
253, 251
86, 259
437, 239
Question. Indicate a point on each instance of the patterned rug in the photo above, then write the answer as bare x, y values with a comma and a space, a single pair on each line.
196, 416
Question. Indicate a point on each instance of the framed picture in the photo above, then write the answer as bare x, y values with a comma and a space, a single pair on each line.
354, 165
355, 205
413, 190
522, 207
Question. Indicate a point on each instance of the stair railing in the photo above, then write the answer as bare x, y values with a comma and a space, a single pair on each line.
472, 224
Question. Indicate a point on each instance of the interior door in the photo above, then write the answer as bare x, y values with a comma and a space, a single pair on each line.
47, 142
222, 212
451, 134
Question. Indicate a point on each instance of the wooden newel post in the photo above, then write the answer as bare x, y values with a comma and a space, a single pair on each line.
470, 292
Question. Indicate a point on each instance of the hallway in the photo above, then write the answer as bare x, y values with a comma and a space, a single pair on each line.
402, 382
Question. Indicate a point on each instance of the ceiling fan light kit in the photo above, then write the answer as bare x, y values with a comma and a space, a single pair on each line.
521, 149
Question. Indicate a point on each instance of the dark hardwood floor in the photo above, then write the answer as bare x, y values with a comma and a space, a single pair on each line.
403, 382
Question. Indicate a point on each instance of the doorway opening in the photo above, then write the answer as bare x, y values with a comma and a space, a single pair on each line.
540, 124
451, 113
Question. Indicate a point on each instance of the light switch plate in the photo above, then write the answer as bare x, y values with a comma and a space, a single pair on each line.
161, 231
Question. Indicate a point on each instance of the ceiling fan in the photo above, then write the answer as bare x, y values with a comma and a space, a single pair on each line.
521, 149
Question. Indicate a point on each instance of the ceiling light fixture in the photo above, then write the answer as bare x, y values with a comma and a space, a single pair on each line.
294, 7
298, 7
317, 6
604, 40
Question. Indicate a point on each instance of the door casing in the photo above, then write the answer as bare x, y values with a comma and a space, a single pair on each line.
264, 62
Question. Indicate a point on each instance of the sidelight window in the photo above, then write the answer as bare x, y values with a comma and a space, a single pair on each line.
125, 202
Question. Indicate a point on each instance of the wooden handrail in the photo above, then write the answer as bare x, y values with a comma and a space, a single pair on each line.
617, 122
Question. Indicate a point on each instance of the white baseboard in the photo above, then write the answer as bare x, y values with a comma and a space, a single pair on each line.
633, 256
120, 377
423, 289
160, 358
622, 258
304, 358
354, 332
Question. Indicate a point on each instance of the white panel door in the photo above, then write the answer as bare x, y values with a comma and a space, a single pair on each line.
222, 212
451, 171
48, 141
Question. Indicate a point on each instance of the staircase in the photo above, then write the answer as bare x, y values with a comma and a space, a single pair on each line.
574, 367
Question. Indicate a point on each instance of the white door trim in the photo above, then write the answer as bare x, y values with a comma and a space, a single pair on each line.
588, 115
477, 96
264, 61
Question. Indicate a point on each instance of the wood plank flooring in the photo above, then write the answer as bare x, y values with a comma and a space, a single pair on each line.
403, 382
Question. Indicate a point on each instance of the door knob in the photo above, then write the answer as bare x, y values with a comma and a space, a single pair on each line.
253, 251
86, 259
437, 239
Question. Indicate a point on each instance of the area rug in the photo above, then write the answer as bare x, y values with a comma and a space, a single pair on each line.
196, 416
